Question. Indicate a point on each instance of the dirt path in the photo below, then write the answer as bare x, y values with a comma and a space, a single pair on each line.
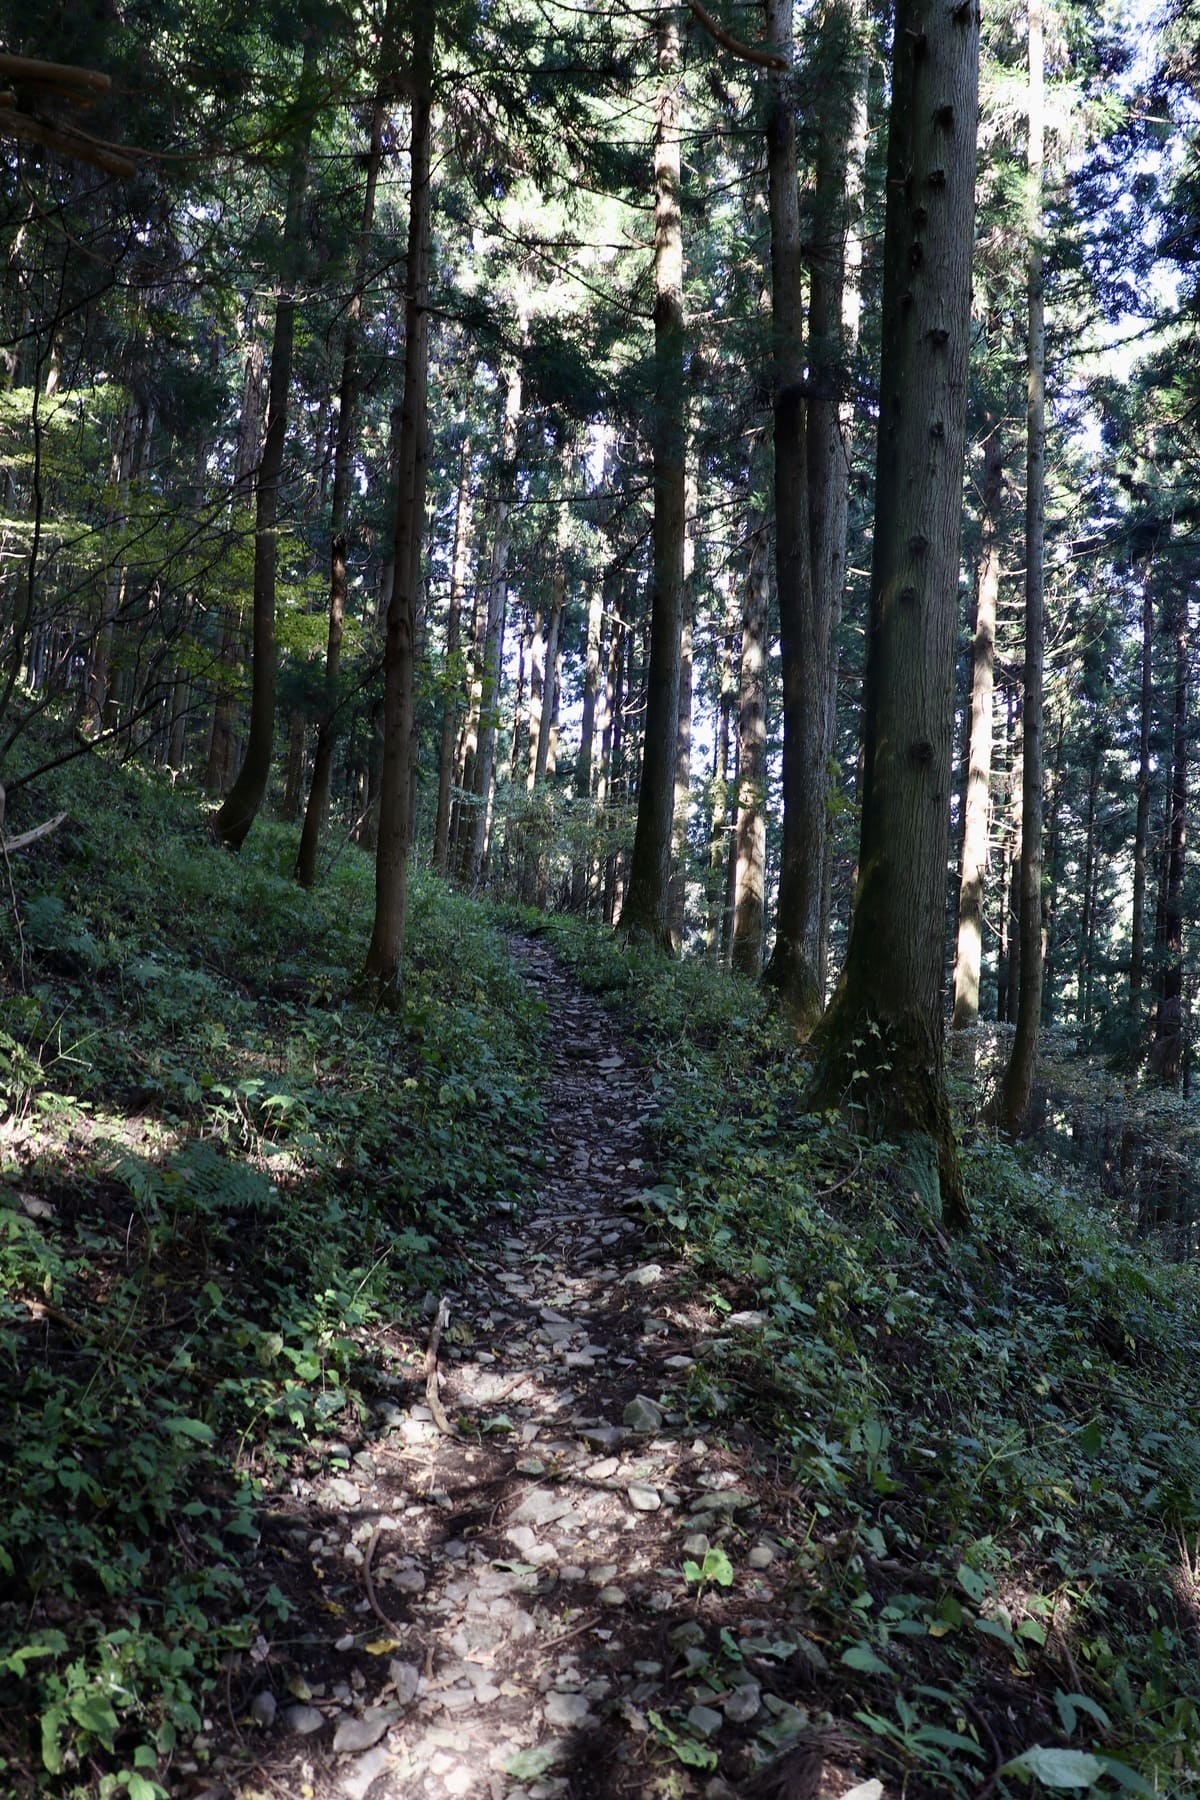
510, 1612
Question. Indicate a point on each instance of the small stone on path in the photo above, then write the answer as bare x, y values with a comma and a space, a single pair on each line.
645, 1276
303, 1720
360, 1734
705, 1719
643, 1415
644, 1499
567, 1709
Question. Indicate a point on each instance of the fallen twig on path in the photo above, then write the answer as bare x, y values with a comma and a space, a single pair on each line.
432, 1398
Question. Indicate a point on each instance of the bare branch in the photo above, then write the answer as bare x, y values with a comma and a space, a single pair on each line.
762, 59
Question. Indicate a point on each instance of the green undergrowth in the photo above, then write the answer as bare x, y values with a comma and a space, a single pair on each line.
223, 1180
993, 1439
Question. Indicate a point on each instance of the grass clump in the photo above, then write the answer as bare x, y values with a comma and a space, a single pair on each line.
219, 1175
991, 1441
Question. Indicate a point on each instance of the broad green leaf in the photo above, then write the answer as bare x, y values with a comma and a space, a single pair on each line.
861, 1656
195, 1429
1071, 1705
971, 1582
530, 1765
1127, 1778
717, 1567
1056, 1768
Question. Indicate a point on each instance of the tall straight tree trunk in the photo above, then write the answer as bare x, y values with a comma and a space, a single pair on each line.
1166, 1052
835, 303
96, 692
493, 652
681, 810
1053, 837
451, 697
220, 742
462, 815
1084, 960
386, 949
644, 914
289, 808
241, 805
718, 829
1022, 1063
550, 665
584, 772
804, 639
750, 882
343, 458
969, 958
879, 1046
1137, 942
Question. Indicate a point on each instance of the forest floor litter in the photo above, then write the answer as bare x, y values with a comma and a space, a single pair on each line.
534, 1574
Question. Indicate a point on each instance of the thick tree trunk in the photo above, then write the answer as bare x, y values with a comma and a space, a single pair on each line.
804, 638
644, 914
386, 949
835, 304
1018, 1080
879, 1046
242, 803
750, 881
977, 826
343, 457
453, 677
289, 809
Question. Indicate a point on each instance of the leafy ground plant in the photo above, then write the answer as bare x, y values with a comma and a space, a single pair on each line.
992, 1438
219, 1173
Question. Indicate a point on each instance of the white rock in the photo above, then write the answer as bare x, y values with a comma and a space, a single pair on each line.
705, 1720
365, 1772
567, 1709
359, 1734
643, 1499
303, 1719
643, 1414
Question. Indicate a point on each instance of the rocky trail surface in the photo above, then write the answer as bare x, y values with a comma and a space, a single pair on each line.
538, 1574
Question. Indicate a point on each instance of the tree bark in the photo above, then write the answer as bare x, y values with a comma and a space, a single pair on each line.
493, 651
1137, 942
718, 827
453, 674
1166, 1052
835, 304
750, 884
343, 458
644, 914
241, 806
879, 1047
1022, 1063
386, 949
804, 639
682, 809
976, 830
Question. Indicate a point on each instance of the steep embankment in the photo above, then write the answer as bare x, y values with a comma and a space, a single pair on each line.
740, 1475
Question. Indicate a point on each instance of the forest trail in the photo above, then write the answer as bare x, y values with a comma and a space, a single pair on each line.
513, 1618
